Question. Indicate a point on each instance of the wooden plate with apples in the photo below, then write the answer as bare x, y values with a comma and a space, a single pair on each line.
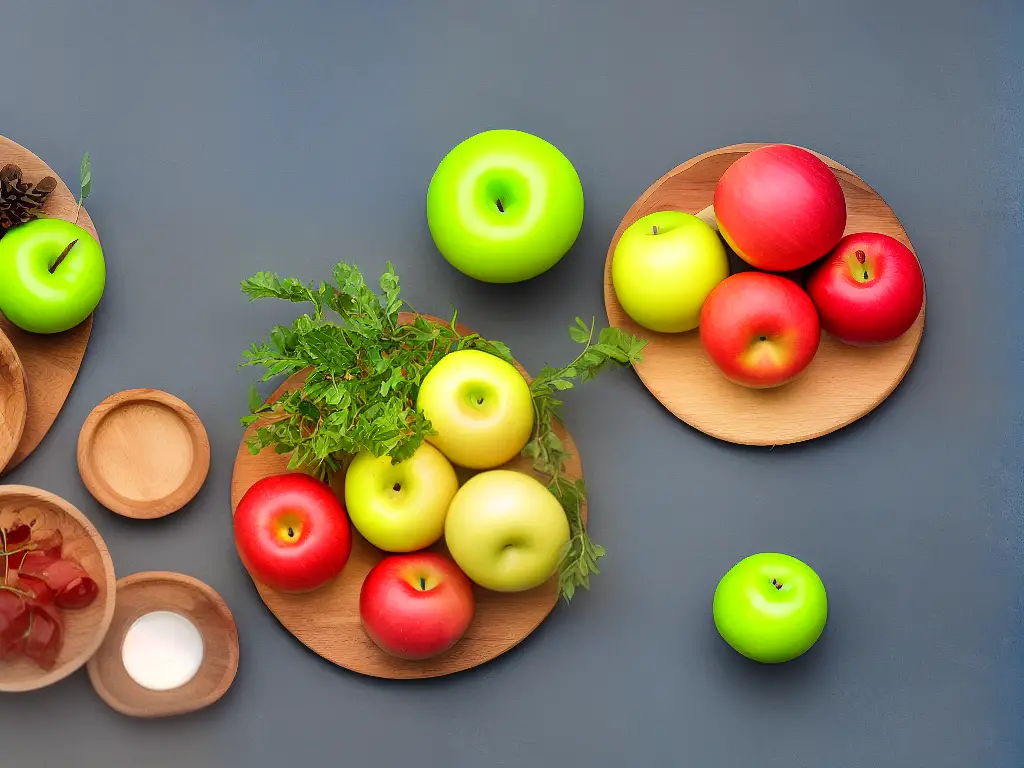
842, 381
328, 620
51, 360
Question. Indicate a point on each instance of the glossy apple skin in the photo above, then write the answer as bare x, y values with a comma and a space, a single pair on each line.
663, 268
292, 533
759, 330
506, 530
37, 300
539, 218
780, 207
479, 405
869, 290
417, 605
770, 607
400, 507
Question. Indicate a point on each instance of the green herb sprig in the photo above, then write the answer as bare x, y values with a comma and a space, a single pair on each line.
364, 372
85, 183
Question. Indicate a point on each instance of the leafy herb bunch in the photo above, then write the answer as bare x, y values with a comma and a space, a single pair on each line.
364, 369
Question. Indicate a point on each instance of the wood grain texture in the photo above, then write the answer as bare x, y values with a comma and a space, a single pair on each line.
143, 593
84, 629
327, 620
51, 361
842, 383
13, 399
143, 453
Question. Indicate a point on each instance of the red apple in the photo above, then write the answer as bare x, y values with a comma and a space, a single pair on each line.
869, 290
292, 533
759, 330
416, 605
780, 207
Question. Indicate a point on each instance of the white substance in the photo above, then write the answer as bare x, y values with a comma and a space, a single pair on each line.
162, 651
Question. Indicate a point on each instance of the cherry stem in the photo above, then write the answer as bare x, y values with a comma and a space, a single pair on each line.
16, 591
63, 255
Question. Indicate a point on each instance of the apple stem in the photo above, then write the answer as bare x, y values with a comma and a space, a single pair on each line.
654, 229
500, 206
63, 255
291, 532
423, 584
776, 584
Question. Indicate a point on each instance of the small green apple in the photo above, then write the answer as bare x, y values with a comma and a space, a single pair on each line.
479, 405
39, 291
504, 206
664, 266
506, 530
400, 507
770, 607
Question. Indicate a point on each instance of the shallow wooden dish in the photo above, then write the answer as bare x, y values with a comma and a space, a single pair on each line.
13, 399
142, 593
143, 453
51, 361
841, 384
83, 629
327, 620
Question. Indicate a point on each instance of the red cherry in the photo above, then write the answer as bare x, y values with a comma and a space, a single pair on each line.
14, 622
45, 637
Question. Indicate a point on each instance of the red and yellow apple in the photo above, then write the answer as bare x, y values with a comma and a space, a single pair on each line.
291, 532
869, 290
416, 605
759, 330
780, 207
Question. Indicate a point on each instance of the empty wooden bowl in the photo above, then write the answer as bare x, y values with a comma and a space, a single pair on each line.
84, 629
13, 399
183, 597
143, 453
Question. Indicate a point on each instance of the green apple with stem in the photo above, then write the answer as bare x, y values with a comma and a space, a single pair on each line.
663, 268
504, 206
770, 607
52, 275
400, 507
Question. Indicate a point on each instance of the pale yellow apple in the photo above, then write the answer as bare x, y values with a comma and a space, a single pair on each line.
506, 530
663, 268
400, 507
480, 406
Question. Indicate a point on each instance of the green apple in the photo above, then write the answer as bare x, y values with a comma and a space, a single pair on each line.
506, 530
41, 292
664, 266
504, 206
400, 507
770, 607
479, 405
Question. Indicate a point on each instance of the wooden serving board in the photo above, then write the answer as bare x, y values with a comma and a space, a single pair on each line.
327, 620
51, 361
842, 383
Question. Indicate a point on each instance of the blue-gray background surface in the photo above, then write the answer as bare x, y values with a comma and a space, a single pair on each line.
229, 137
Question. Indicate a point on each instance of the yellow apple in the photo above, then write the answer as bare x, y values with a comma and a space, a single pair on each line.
506, 531
480, 406
664, 266
400, 507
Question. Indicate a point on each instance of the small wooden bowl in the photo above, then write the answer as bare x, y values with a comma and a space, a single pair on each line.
143, 593
84, 629
13, 399
143, 453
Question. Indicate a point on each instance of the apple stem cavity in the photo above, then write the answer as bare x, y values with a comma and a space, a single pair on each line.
63, 255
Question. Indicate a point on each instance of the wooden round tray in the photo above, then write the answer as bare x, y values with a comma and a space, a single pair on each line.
13, 400
84, 629
327, 620
51, 361
840, 385
142, 593
143, 453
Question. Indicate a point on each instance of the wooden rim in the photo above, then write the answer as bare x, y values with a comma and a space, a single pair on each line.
679, 376
145, 703
51, 361
14, 409
90, 464
108, 587
327, 620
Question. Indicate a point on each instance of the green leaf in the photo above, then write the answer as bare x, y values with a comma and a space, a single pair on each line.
85, 178
255, 398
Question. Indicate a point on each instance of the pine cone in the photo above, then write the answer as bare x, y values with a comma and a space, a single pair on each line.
19, 200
